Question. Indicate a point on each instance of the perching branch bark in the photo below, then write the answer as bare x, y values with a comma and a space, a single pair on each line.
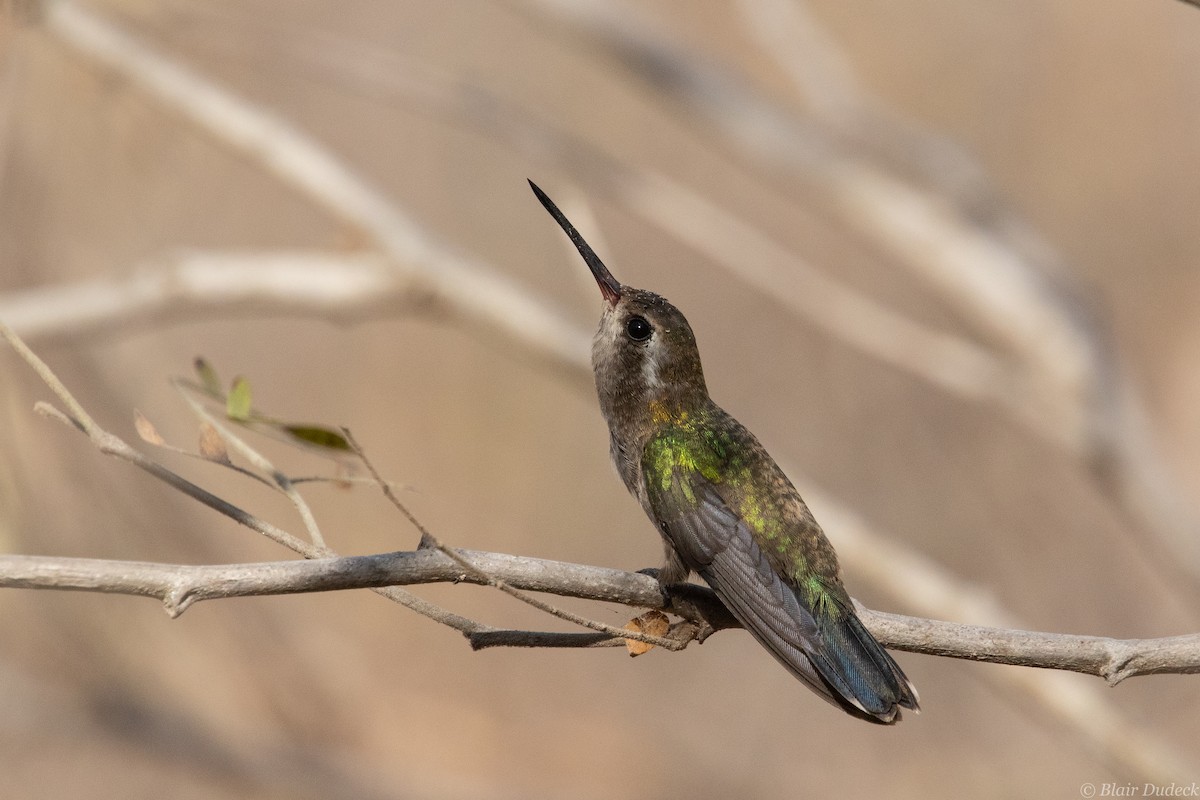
178, 586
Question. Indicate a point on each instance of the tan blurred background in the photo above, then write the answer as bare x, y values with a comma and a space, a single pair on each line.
1085, 119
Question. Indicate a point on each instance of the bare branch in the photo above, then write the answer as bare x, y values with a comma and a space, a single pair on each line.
180, 585
188, 284
1112, 659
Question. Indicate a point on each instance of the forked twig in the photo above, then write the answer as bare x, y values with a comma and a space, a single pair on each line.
260, 462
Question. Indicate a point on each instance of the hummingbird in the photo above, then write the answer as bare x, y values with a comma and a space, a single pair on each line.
724, 508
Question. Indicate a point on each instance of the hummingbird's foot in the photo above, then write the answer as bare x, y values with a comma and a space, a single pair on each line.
683, 599
703, 631
656, 573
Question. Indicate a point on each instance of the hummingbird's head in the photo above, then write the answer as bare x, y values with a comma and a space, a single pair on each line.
644, 353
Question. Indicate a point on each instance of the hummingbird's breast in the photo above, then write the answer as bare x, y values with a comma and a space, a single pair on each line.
627, 459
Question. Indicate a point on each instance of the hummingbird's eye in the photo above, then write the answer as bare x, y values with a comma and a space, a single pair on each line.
638, 329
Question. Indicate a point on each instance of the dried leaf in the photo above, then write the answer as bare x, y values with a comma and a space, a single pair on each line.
319, 436
146, 430
212, 446
654, 623
237, 404
208, 377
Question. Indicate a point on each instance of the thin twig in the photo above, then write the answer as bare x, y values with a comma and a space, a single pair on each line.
259, 461
428, 540
179, 451
111, 444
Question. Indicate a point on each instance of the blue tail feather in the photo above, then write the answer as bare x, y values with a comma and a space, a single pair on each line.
860, 672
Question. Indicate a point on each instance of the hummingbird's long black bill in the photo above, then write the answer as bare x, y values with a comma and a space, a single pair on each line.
610, 287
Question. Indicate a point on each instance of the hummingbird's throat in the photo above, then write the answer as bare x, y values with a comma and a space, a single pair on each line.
651, 378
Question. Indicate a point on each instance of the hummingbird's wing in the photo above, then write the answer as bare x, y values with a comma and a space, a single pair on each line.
830, 651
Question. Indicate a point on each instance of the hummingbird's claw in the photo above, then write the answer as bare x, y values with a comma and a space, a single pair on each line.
656, 573
703, 631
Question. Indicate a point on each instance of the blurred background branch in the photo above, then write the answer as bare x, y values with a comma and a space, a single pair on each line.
480, 295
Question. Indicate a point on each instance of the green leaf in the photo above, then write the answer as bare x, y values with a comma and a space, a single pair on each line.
237, 404
319, 436
208, 377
